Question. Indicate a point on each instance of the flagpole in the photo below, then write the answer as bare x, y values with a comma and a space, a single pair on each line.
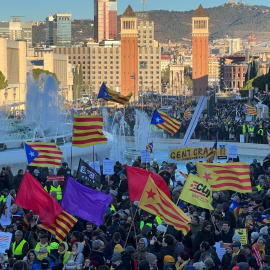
71, 158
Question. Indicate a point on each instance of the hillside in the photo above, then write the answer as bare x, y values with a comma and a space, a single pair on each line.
229, 19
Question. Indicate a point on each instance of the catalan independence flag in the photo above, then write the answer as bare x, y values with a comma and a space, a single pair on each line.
87, 131
155, 201
226, 176
187, 112
263, 220
150, 147
42, 154
64, 222
185, 175
235, 208
109, 95
250, 110
163, 121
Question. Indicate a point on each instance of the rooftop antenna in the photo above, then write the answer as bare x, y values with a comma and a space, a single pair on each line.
144, 2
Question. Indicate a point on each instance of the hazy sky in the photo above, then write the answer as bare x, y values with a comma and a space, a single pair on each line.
37, 10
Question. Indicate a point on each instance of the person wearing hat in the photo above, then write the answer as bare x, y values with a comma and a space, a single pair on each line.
252, 262
43, 241
161, 229
236, 247
17, 179
97, 251
46, 264
71, 265
125, 215
227, 258
241, 219
113, 192
169, 262
109, 248
117, 262
55, 187
146, 220
266, 262
264, 233
64, 170
144, 265
77, 253
42, 253
4, 195
54, 255
20, 247
125, 202
142, 248
152, 260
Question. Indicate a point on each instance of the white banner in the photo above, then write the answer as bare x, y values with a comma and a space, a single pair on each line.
145, 156
108, 166
6, 216
95, 165
5, 239
232, 151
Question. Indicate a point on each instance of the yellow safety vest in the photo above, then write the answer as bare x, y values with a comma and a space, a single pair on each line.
18, 249
3, 198
142, 224
260, 131
259, 188
38, 246
65, 260
58, 191
112, 208
244, 129
251, 130
159, 220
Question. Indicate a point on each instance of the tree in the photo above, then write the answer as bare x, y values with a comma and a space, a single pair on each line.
165, 76
188, 81
3, 81
38, 71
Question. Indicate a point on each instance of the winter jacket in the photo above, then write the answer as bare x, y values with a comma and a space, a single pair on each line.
78, 258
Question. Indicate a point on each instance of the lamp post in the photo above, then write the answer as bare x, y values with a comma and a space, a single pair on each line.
6, 95
133, 77
14, 96
210, 101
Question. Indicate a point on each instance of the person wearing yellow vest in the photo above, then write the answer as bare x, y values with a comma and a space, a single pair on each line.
55, 187
146, 220
43, 241
251, 133
63, 252
20, 247
245, 129
260, 135
3, 197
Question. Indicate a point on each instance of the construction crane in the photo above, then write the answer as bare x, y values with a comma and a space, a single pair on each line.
15, 18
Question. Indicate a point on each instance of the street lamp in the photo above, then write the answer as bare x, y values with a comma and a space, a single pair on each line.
133, 77
6, 95
14, 96
210, 101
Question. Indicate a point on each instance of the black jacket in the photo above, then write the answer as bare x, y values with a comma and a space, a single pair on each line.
161, 253
97, 256
226, 261
17, 179
200, 236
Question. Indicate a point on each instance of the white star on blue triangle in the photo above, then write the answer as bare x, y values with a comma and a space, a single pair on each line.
103, 92
156, 119
31, 154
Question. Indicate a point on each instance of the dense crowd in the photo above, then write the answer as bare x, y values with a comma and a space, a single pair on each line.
131, 240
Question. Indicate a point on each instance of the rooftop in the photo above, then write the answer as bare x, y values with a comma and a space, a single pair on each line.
129, 13
200, 12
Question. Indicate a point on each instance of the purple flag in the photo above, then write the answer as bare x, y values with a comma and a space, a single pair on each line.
84, 202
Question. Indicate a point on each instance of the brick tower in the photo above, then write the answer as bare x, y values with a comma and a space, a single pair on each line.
200, 34
129, 52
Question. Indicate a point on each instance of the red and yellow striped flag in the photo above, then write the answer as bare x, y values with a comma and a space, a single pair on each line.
64, 222
49, 154
250, 110
268, 138
87, 131
210, 156
226, 176
187, 112
155, 201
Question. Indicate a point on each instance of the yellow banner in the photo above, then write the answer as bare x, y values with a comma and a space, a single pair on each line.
197, 192
189, 153
243, 235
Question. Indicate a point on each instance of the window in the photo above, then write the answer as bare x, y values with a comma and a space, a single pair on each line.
142, 64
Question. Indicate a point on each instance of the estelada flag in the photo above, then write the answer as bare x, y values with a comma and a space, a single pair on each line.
110, 95
226, 176
155, 201
137, 179
187, 112
32, 196
42, 154
87, 131
250, 110
150, 147
64, 222
163, 121
197, 192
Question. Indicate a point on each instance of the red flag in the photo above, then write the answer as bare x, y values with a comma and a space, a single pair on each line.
137, 179
31, 195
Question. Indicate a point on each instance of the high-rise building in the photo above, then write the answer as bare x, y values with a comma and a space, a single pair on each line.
101, 20
17, 30
58, 30
200, 34
113, 19
129, 52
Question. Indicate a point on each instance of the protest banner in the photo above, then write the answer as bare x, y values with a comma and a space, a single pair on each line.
243, 235
5, 239
145, 156
95, 165
222, 151
221, 249
189, 153
108, 166
232, 151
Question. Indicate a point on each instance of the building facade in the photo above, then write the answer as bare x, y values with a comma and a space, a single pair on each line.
129, 52
200, 34
17, 30
101, 20
113, 19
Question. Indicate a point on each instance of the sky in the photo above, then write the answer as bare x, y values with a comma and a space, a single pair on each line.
37, 10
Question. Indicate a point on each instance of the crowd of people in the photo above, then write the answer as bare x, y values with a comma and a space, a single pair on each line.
138, 240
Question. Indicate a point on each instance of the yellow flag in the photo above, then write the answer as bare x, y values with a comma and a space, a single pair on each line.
197, 192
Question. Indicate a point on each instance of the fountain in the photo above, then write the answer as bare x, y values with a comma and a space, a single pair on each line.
45, 122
